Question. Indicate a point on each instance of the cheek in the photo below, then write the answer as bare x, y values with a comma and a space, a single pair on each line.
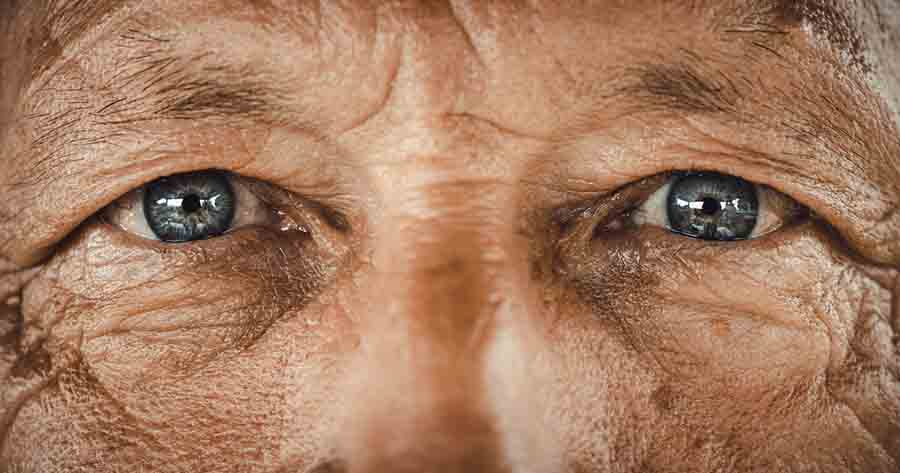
231, 373
661, 356
25, 365
690, 354
313, 370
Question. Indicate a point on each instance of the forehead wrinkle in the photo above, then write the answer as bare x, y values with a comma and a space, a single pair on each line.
826, 18
62, 24
835, 22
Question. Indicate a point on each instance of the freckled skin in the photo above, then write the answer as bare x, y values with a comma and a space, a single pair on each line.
435, 315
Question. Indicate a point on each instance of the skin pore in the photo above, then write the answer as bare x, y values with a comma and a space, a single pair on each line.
449, 276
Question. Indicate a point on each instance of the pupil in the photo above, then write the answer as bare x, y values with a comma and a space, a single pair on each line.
711, 206
192, 203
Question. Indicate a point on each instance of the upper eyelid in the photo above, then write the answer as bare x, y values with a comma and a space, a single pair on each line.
593, 206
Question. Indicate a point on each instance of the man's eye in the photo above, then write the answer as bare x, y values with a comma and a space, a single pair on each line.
716, 207
189, 207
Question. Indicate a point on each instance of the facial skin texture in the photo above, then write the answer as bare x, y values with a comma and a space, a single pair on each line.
456, 294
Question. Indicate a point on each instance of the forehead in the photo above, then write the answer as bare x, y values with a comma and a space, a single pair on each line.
862, 32
569, 44
582, 36
856, 28
829, 14
845, 24
838, 20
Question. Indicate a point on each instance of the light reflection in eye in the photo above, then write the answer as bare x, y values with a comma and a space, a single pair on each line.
189, 207
183, 208
715, 207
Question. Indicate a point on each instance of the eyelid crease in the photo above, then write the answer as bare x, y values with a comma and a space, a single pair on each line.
12, 279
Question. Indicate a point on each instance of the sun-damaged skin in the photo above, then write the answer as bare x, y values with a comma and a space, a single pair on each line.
459, 289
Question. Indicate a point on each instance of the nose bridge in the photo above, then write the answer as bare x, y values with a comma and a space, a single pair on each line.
436, 290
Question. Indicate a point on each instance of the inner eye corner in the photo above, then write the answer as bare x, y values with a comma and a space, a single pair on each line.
610, 226
336, 219
609, 212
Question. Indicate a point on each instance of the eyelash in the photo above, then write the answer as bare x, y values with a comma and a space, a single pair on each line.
257, 204
718, 207
619, 210
615, 212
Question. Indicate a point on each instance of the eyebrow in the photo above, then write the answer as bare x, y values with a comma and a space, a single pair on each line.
218, 92
158, 82
842, 123
165, 86
691, 84
169, 90
688, 84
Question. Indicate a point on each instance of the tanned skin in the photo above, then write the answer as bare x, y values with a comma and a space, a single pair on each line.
449, 277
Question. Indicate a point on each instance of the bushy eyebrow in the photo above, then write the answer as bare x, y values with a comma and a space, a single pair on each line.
156, 79
209, 97
162, 84
688, 84
814, 119
159, 80
168, 88
64, 21
217, 92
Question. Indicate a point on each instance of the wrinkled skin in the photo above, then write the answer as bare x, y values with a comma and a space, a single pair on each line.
436, 314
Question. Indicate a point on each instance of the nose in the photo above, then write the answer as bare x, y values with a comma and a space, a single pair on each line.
422, 392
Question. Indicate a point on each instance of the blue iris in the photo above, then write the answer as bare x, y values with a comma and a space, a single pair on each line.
712, 206
189, 207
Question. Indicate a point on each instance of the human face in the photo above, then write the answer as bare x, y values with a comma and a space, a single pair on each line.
449, 239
